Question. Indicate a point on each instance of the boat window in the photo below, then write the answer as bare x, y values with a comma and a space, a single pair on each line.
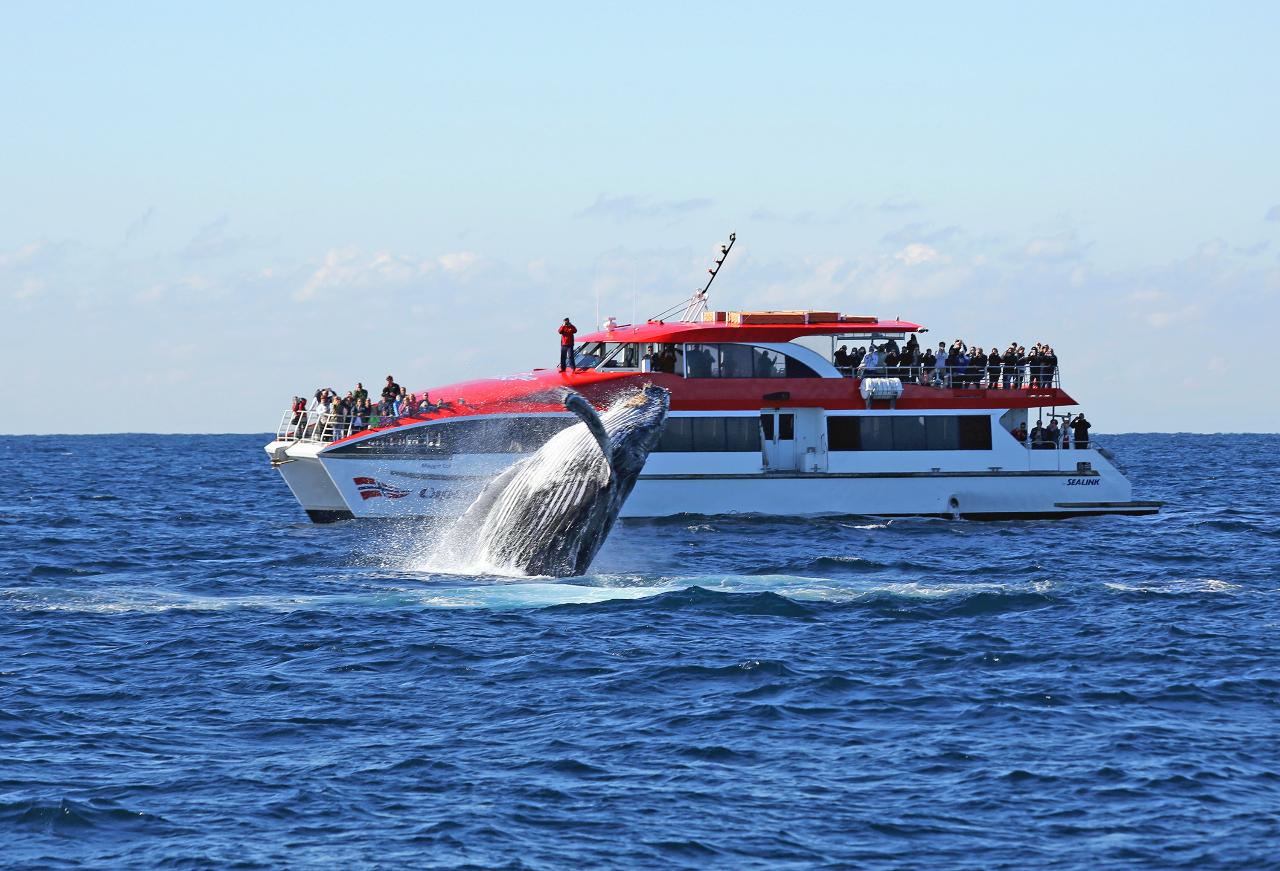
843, 434
702, 361
737, 434
736, 361
589, 355
786, 427
741, 434
708, 433
909, 433
877, 434
621, 355
770, 364
962, 432
942, 433
742, 361
667, 358
975, 432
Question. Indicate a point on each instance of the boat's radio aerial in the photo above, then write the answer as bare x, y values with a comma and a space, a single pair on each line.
697, 304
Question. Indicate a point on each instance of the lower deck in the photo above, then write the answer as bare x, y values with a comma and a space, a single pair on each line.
794, 462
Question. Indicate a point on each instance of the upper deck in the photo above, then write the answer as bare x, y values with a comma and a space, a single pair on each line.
755, 328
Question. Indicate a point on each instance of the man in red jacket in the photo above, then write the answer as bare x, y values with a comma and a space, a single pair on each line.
567, 331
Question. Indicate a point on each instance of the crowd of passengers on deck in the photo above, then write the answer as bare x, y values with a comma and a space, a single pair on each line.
331, 416
959, 365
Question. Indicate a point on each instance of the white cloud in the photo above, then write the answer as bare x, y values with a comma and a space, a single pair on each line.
918, 253
457, 262
351, 268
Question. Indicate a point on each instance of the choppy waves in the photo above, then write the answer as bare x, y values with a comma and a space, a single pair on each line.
192, 677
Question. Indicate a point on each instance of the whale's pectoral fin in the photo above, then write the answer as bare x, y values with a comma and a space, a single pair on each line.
578, 404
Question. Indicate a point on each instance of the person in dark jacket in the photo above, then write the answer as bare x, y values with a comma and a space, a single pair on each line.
567, 331
993, 367
1049, 365
1038, 440
890, 363
841, 359
391, 391
1011, 367
1080, 427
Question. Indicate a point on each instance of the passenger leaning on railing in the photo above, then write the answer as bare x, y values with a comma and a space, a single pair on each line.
299, 413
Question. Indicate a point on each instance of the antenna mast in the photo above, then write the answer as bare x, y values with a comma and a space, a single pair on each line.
698, 302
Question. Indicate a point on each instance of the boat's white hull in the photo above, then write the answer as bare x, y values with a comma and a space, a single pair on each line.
1014, 482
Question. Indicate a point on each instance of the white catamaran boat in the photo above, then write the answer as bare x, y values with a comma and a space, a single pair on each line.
762, 421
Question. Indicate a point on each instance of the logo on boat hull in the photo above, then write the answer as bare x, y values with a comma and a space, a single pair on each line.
371, 488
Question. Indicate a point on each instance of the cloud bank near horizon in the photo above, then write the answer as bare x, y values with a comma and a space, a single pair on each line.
218, 342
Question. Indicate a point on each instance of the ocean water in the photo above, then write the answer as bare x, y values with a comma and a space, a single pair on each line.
193, 676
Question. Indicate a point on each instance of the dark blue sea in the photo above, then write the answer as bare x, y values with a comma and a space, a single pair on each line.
194, 676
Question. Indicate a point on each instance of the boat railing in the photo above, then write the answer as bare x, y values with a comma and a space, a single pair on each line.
320, 427
1022, 378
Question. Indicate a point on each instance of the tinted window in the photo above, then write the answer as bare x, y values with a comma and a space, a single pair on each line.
742, 361
769, 364
702, 361
742, 434
909, 432
842, 434
766, 424
736, 361
677, 435
877, 434
786, 427
942, 433
710, 434
975, 433
796, 369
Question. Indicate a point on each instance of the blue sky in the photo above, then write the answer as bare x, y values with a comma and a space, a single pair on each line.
205, 211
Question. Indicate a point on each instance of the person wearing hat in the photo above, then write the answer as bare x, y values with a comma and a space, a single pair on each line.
567, 331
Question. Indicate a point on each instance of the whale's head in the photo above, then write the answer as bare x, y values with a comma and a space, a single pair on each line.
634, 423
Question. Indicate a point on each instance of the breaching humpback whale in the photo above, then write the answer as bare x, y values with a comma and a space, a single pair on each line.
549, 514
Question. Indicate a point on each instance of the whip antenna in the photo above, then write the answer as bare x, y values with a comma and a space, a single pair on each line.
697, 303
